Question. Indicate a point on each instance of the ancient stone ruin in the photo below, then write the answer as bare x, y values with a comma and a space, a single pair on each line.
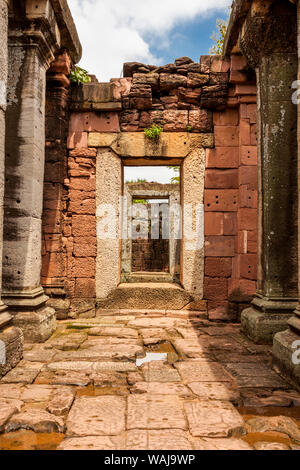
215, 290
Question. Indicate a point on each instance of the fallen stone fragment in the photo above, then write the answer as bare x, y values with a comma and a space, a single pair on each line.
220, 444
97, 416
270, 446
261, 402
214, 391
93, 443
155, 412
281, 424
36, 420
291, 395
214, 419
172, 439
8, 407
61, 401
162, 388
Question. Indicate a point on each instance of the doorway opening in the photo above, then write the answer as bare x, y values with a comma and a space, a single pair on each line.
151, 221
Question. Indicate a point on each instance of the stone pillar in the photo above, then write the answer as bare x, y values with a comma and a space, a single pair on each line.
11, 338
32, 41
286, 345
269, 42
55, 200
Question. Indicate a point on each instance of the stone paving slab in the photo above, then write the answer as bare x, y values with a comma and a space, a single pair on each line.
77, 366
162, 388
173, 439
20, 375
11, 390
93, 443
155, 412
154, 335
67, 341
114, 366
108, 379
112, 331
214, 391
97, 416
160, 372
213, 419
182, 404
157, 322
270, 446
220, 444
202, 371
39, 354
193, 348
80, 379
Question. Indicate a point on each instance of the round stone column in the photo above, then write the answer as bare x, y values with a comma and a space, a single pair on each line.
269, 42
31, 43
286, 344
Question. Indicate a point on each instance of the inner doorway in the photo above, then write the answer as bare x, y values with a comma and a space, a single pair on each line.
151, 224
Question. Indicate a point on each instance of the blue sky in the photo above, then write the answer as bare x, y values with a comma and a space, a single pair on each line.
191, 39
149, 31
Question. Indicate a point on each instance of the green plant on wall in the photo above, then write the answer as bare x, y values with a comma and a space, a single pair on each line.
79, 75
154, 132
176, 179
218, 37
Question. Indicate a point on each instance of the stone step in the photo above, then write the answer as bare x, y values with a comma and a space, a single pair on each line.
141, 276
146, 295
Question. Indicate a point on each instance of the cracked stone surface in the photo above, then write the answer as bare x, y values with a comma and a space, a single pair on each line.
214, 419
83, 384
155, 412
36, 420
97, 416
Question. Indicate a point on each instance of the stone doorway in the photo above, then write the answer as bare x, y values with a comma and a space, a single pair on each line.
115, 284
151, 249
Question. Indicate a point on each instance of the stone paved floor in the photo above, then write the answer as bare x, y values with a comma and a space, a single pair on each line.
82, 389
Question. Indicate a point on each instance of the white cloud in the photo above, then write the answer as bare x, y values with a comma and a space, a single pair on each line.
113, 31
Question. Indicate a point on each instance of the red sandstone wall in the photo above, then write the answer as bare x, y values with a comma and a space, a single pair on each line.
231, 201
230, 180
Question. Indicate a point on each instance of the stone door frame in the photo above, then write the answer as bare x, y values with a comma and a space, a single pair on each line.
116, 150
174, 197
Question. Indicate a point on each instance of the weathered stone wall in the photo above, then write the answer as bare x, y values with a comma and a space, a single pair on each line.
231, 200
150, 254
55, 210
214, 100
